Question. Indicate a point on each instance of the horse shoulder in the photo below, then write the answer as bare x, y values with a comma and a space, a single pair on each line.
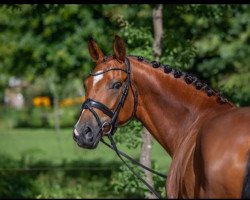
222, 150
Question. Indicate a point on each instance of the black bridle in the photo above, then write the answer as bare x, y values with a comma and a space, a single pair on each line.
90, 104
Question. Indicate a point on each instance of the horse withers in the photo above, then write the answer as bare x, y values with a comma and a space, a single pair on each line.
206, 135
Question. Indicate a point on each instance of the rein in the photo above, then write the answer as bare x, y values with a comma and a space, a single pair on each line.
90, 104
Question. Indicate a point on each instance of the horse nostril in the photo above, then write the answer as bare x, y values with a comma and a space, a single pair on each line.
88, 133
87, 130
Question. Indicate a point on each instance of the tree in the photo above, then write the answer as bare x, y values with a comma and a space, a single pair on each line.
147, 139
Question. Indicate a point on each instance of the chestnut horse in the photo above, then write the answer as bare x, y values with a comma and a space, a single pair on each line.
206, 135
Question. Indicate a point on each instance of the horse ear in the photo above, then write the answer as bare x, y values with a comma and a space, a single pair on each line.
94, 50
119, 49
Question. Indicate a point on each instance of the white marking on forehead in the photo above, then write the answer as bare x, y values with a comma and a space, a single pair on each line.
97, 78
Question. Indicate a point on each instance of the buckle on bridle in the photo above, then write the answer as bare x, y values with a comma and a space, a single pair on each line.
104, 126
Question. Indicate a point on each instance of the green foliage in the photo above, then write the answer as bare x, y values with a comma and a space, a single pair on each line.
42, 179
219, 35
224, 59
136, 38
50, 40
237, 88
125, 182
51, 44
130, 135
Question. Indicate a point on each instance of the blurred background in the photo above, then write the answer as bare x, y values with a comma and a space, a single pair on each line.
44, 60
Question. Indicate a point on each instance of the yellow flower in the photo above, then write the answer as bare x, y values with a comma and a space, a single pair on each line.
41, 101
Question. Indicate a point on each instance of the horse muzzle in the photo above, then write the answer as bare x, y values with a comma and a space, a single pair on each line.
86, 137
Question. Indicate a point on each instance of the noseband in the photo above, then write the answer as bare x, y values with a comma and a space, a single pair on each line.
90, 103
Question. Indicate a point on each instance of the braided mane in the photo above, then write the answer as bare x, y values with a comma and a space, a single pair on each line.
189, 78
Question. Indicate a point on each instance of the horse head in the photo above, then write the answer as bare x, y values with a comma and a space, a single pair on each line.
110, 99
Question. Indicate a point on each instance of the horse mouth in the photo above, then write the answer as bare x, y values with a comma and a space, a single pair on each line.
87, 145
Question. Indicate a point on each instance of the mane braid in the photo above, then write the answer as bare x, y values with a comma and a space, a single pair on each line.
189, 78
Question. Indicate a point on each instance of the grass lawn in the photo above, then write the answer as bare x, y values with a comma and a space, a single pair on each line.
45, 144
22, 149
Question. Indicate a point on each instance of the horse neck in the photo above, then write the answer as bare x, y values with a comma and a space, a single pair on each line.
168, 107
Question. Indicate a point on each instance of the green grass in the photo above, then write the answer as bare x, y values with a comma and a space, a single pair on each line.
45, 144
55, 155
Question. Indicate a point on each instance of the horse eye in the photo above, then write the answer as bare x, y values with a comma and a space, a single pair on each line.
116, 85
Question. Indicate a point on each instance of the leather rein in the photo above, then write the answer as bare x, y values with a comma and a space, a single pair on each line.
90, 104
